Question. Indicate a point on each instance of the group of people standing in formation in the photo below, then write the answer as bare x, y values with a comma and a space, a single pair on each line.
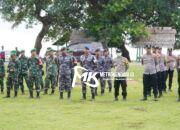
60, 72
158, 68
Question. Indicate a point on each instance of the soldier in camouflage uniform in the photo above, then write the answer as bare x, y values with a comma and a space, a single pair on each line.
99, 66
87, 61
51, 72
65, 66
14, 68
34, 64
108, 64
24, 71
41, 74
74, 63
2, 75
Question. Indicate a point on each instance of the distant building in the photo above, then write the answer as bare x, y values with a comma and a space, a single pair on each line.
78, 41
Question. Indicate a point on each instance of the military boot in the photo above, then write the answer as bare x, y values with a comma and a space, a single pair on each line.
31, 94
38, 95
61, 96
22, 90
84, 96
8, 95
102, 92
93, 97
69, 95
15, 94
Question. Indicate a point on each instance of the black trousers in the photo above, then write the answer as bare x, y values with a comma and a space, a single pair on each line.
163, 80
179, 82
159, 82
120, 82
170, 74
150, 80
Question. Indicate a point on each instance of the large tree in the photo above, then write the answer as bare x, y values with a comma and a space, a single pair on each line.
56, 16
113, 21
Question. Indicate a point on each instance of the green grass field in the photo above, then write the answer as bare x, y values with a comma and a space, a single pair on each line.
49, 113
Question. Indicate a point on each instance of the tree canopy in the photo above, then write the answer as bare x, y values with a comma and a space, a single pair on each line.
113, 21
56, 16
109, 21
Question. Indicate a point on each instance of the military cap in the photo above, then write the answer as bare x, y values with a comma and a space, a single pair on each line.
13, 52
87, 48
97, 50
33, 50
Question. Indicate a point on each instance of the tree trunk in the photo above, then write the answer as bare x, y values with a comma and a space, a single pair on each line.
125, 52
42, 33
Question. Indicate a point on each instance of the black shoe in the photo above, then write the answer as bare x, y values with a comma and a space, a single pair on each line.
30, 94
15, 94
8, 95
124, 98
93, 97
84, 96
61, 96
116, 99
38, 95
155, 99
144, 99
110, 90
69, 95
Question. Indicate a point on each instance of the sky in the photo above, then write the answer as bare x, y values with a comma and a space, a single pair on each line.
20, 37
25, 38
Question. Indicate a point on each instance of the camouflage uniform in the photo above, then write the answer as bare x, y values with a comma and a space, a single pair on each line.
65, 67
87, 61
108, 64
2, 74
23, 72
14, 68
51, 73
99, 66
72, 70
34, 72
41, 74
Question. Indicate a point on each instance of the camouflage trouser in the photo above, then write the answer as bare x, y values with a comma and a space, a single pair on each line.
2, 83
21, 81
102, 83
41, 82
12, 81
65, 83
50, 79
84, 87
34, 80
